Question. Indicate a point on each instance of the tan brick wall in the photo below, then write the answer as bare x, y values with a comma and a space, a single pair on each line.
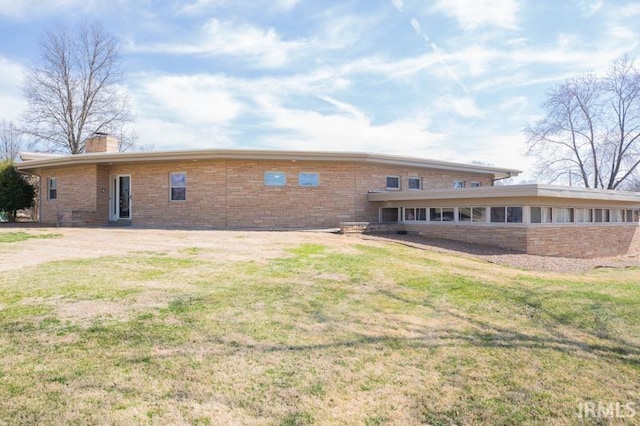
512, 237
76, 196
232, 194
584, 241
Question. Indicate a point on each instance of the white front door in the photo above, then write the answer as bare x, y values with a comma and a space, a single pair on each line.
120, 197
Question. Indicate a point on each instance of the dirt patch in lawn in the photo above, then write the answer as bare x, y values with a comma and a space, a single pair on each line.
223, 246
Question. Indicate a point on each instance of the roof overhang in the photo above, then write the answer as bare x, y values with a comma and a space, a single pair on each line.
32, 162
509, 191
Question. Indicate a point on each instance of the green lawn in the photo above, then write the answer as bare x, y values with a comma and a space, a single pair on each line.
365, 335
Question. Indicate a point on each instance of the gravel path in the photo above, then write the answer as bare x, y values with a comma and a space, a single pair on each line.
511, 258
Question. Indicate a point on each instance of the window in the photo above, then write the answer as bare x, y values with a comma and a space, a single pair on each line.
275, 178
514, 214
308, 179
472, 214
457, 184
506, 214
389, 214
615, 215
415, 183
479, 214
541, 215
631, 216
475, 184
464, 214
178, 186
441, 214
411, 214
52, 188
601, 215
564, 215
393, 182
584, 215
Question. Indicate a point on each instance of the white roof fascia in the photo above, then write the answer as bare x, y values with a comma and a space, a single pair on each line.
191, 155
509, 191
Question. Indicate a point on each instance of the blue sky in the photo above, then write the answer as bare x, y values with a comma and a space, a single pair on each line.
453, 80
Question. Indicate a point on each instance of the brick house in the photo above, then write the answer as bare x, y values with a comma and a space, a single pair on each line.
257, 189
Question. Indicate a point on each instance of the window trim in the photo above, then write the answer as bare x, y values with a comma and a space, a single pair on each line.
551, 217
171, 187
506, 214
416, 214
558, 216
471, 214
414, 178
52, 185
275, 173
399, 212
393, 188
314, 185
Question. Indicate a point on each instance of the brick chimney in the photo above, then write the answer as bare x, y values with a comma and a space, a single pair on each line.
100, 142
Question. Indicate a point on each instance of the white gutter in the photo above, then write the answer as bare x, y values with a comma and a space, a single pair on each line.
220, 154
509, 191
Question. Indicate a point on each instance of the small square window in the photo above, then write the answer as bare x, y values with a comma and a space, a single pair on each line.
393, 182
457, 184
52, 188
308, 179
415, 183
178, 187
475, 184
275, 178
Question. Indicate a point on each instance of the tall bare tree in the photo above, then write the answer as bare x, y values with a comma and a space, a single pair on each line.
10, 141
74, 90
590, 134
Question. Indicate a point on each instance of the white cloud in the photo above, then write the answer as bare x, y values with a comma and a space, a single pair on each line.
239, 40
162, 135
348, 131
398, 4
347, 109
464, 106
628, 11
202, 6
472, 14
23, 9
198, 99
590, 8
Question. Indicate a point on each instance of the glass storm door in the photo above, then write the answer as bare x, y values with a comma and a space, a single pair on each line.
121, 197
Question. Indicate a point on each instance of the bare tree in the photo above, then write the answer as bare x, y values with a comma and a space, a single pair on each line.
10, 141
75, 89
590, 134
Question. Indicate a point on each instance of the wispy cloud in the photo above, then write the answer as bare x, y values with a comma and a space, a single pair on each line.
472, 14
194, 99
202, 6
246, 42
590, 8
464, 106
398, 4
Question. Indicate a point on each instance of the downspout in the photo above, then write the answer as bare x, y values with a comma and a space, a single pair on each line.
494, 180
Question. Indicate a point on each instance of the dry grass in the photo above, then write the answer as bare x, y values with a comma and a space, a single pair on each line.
309, 329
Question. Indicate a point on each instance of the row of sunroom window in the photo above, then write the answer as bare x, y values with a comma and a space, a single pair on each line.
508, 214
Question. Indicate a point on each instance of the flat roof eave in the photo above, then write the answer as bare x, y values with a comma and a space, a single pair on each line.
507, 192
34, 162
